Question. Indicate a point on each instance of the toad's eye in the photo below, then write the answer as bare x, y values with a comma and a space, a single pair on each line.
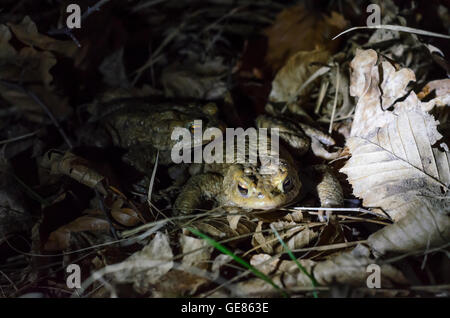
287, 184
242, 190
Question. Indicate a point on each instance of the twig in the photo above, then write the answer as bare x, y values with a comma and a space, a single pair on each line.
152, 180
9, 280
67, 31
43, 106
155, 55
333, 113
145, 5
395, 28
333, 209
7, 141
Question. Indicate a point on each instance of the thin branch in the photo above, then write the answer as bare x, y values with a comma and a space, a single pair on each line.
395, 28
38, 101
68, 31
7, 141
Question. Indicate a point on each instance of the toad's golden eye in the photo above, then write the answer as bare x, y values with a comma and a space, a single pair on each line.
287, 184
243, 190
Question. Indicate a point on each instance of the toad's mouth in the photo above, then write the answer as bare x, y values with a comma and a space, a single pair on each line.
264, 201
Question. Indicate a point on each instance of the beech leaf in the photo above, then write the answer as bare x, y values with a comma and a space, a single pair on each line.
397, 163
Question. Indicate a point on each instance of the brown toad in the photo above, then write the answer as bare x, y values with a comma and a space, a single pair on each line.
144, 128
245, 186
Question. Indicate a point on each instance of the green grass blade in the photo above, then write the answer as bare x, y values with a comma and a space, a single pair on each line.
291, 255
224, 250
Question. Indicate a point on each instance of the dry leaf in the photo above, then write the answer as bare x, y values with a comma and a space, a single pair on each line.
197, 252
298, 29
28, 34
218, 262
426, 227
442, 91
29, 67
60, 239
294, 235
348, 268
148, 265
396, 164
219, 227
265, 263
288, 81
126, 216
396, 168
351, 268
177, 283
74, 167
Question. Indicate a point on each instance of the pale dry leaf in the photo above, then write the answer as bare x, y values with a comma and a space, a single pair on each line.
394, 84
296, 71
427, 227
219, 227
218, 263
299, 240
197, 252
295, 236
442, 90
233, 220
396, 164
259, 240
396, 168
349, 268
364, 85
148, 265
265, 263
374, 99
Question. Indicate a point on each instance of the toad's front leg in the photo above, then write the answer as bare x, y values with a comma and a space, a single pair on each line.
327, 188
199, 188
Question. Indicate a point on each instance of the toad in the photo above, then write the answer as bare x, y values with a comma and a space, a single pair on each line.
256, 185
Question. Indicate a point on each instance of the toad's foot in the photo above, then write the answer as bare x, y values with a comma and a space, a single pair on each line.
328, 188
197, 189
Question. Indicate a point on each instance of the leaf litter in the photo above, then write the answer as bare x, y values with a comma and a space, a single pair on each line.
381, 92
